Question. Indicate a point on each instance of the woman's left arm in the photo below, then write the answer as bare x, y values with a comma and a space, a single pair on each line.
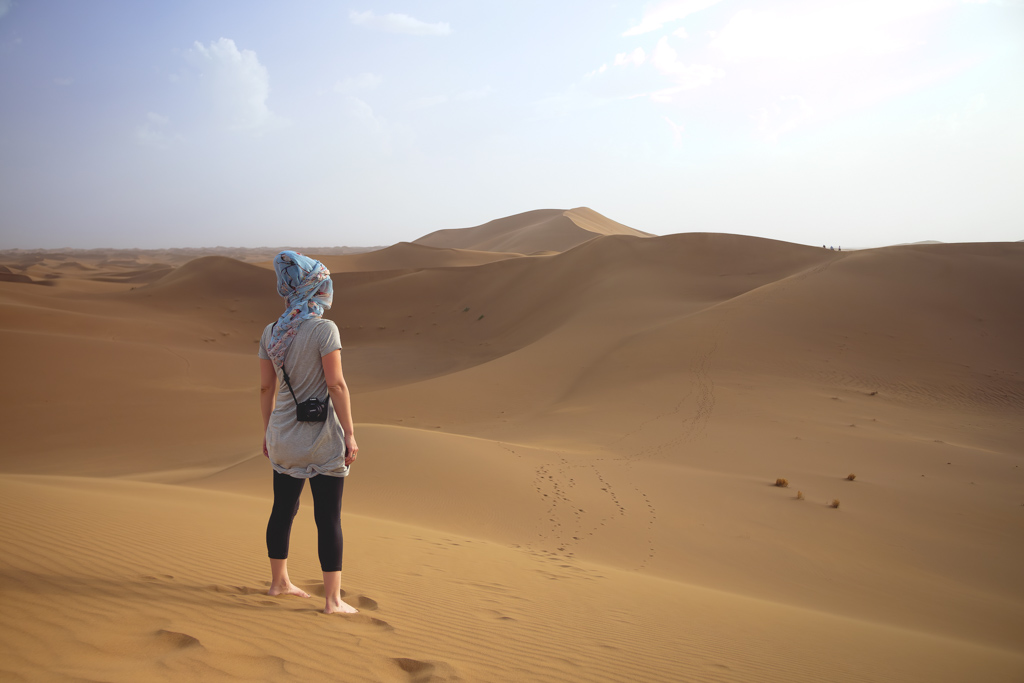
268, 395
341, 400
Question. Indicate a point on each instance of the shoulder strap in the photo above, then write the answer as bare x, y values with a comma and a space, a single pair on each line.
285, 372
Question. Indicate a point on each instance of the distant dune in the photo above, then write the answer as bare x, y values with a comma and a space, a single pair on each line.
215, 276
568, 467
546, 230
15, 277
409, 256
174, 256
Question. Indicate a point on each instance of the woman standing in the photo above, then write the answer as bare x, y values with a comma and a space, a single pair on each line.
304, 350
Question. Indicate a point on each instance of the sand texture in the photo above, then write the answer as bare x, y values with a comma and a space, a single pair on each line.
569, 452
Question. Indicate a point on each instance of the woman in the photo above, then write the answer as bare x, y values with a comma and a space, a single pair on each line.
306, 349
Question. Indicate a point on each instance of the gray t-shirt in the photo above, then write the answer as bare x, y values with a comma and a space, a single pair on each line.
305, 449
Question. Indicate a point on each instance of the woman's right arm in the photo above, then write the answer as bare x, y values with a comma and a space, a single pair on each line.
268, 395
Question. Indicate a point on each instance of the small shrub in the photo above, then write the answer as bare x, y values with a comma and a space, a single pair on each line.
799, 495
466, 309
834, 503
481, 317
851, 476
783, 483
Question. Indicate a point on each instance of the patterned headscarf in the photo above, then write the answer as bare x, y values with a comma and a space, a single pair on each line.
305, 284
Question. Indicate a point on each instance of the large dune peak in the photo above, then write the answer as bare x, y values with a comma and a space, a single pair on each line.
532, 232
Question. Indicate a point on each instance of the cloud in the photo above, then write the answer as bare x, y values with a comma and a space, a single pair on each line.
5, 7
236, 83
685, 76
399, 23
152, 133
782, 116
667, 12
364, 81
372, 129
823, 30
659, 76
636, 57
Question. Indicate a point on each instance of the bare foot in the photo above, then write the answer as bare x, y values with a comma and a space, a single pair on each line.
288, 589
338, 606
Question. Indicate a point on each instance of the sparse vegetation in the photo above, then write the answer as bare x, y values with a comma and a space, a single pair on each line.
466, 309
799, 495
783, 483
834, 503
851, 476
481, 317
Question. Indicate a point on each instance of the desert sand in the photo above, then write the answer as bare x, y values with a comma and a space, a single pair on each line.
570, 435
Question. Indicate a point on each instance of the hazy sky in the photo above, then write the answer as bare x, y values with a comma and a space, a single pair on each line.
212, 122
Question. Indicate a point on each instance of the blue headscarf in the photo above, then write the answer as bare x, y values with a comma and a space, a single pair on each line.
306, 285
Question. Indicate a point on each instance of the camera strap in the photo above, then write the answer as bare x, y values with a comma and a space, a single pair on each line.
285, 373
286, 379
289, 383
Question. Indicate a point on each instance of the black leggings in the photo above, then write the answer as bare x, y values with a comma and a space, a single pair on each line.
326, 511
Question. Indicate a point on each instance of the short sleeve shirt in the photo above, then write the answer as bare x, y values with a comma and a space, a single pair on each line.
305, 449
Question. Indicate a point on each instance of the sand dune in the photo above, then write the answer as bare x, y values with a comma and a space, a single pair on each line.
545, 230
215, 278
566, 473
409, 256
174, 604
8, 276
145, 274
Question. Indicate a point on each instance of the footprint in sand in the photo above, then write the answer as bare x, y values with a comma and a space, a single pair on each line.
363, 623
173, 640
364, 603
419, 671
316, 588
495, 614
236, 590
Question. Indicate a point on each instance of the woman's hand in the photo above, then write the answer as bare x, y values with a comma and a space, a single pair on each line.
351, 449
266, 453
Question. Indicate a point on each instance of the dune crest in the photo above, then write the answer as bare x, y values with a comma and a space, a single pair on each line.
532, 232
409, 256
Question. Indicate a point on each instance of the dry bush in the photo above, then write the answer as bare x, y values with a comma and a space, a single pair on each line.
782, 482
834, 503
799, 495
851, 476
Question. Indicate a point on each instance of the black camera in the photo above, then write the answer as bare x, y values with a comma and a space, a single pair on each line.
312, 410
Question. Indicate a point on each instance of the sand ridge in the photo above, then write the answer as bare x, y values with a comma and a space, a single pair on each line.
571, 456
532, 232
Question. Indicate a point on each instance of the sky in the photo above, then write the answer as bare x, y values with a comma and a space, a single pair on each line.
200, 123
